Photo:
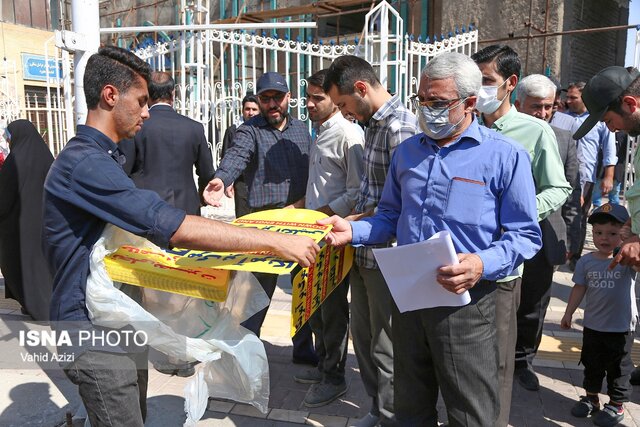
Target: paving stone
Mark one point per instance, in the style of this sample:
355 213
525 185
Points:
326 420
220 406
298 417
247 410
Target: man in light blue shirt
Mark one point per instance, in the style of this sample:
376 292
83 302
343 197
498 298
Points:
596 149
476 184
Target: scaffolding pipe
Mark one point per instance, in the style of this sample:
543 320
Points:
562 33
222 27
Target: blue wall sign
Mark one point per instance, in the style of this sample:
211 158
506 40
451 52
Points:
33 67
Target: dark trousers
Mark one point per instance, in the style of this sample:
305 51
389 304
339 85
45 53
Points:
330 325
113 387
507 301
371 331
584 215
451 349
607 354
534 300
241 198
302 342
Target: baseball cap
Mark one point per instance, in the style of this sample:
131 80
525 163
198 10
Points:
602 90
271 81
618 212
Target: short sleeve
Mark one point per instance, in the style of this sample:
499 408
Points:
580 274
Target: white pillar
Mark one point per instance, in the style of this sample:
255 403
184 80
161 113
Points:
85 20
384 44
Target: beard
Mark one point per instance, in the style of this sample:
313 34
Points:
633 125
274 121
363 109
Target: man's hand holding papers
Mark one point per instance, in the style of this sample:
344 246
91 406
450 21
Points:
461 277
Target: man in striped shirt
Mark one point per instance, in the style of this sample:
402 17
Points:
354 87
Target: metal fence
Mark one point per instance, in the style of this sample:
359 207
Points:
48 110
215 69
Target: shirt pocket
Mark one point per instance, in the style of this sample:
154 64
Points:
465 201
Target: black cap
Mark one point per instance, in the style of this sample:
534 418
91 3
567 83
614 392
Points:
603 88
618 212
271 81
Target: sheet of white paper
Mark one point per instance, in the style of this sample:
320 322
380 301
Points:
410 272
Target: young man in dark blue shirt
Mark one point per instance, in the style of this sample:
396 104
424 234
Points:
85 189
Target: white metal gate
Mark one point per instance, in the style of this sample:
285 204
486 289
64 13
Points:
50 113
215 69
229 62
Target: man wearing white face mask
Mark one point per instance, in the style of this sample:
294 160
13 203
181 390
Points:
500 67
475 183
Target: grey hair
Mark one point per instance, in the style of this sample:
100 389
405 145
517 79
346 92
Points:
461 68
535 86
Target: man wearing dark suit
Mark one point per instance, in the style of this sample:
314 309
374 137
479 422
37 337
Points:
167 148
535 96
161 159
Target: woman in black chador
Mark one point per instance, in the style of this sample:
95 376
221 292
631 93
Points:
26 273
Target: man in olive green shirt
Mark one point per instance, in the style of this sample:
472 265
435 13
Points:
500 68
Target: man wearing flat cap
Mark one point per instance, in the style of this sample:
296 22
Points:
272 150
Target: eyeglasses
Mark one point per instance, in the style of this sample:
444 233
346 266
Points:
277 98
436 104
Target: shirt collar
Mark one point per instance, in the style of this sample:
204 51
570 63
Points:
103 141
330 122
502 121
572 114
387 108
158 104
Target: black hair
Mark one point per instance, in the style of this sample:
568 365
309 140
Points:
318 79
250 98
345 71
161 86
507 61
111 66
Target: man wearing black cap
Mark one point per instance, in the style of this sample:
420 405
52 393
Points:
272 151
613 97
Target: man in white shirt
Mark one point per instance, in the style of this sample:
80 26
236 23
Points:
335 170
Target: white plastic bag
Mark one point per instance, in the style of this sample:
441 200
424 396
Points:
234 362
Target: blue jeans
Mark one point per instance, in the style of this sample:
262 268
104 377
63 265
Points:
614 194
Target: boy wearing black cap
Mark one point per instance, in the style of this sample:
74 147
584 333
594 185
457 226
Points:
610 317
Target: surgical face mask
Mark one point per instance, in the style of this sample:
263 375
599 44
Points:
488 101
434 122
